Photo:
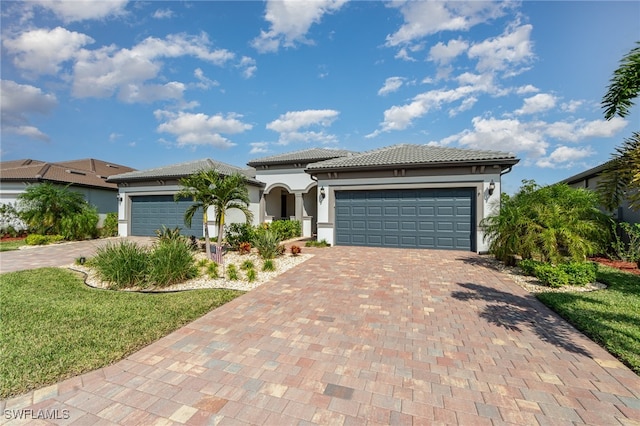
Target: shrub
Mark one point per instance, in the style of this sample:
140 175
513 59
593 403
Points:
171 261
123 264
268 265
244 248
281 250
202 263
251 275
321 243
212 270
238 233
267 243
10 222
166 234
110 225
571 273
43 206
286 229
39 240
295 250
580 273
551 275
80 226
246 265
232 272
529 266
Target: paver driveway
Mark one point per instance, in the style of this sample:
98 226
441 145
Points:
362 335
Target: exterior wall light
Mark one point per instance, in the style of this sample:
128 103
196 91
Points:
322 194
492 187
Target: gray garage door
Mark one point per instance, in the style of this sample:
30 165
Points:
420 218
150 212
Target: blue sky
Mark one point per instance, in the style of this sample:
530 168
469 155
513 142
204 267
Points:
147 84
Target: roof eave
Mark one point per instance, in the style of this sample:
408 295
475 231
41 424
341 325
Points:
503 162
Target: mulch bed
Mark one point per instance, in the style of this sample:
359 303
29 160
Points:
7 238
630 267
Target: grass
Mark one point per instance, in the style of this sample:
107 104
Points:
609 317
54 327
11 245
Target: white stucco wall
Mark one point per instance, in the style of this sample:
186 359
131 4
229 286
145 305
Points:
294 179
484 203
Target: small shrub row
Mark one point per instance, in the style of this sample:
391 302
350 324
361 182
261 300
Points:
321 243
238 234
110 225
126 264
571 273
40 240
286 229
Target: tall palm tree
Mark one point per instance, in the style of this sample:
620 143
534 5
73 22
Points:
622 173
208 188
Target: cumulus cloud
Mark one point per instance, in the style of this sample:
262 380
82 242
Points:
81 10
511 49
565 156
424 18
259 147
18 101
195 129
537 103
445 53
290 21
291 126
391 84
203 81
43 51
163 14
248 66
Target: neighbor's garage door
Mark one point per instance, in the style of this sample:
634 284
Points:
420 218
150 212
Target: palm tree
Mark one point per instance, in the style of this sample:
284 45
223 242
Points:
44 206
208 188
622 173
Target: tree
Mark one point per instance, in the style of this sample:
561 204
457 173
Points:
44 206
208 188
622 174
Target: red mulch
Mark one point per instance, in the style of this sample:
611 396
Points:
630 267
7 238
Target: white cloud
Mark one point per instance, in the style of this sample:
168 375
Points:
404 55
571 106
525 90
445 53
290 124
204 82
290 21
512 48
43 51
163 14
564 156
248 66
80 10
259 147
17 102
200 129
391 84
424 18
580 129
537 103
114 136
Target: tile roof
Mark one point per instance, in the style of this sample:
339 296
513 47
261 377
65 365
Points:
413 155
86 172
179 170
305 156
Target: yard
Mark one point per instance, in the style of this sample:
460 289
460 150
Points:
54 327
610 317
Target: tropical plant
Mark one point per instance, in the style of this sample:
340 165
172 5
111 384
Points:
238 233
168 234
622 173
252 275
110 225
247 264
42 207
268 265
232 272
171 261
295 250
208 188
10 222
548 223
123 264
80 226
267 242
286 229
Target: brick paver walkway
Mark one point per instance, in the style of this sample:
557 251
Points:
361 336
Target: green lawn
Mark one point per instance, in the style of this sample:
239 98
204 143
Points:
11 245
610 317
54 327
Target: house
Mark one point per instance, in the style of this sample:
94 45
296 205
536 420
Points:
589 180
399 196
87 176
146 202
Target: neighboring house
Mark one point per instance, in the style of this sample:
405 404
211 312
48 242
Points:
398 196
88 177
146 200
589 180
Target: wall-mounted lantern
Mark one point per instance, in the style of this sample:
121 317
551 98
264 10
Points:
322 194
492 187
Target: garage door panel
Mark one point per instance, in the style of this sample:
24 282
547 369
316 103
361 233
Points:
150 213
423 218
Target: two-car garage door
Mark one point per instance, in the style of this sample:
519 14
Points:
150 212
418 218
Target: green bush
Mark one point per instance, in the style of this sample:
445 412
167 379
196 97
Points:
80 226
268 265
39 240
251 275
237 233
571 273
286 229
212 270
232 272
123 264
110 225
170 262
529 266
267 242
551 275
168 234
246 265
321 243
580 273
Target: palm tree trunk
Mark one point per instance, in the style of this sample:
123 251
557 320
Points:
220 233
207 240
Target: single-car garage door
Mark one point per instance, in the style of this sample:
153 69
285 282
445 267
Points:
150 212
418 218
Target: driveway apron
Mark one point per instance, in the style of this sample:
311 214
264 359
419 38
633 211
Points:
361 336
